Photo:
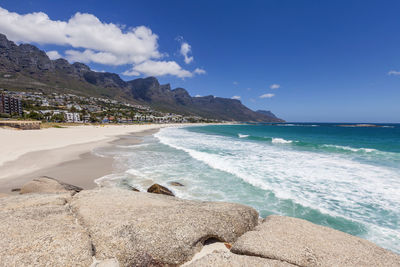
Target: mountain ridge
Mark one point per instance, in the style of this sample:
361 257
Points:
25 66
267 112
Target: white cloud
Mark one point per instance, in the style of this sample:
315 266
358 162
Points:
274 86
267 95
235 97
160 68
235 83
197 96
199 71
131 73
90 40
104 42
185 50
53 55
394 72
88 56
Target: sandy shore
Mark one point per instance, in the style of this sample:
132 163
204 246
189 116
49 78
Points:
62 153
16 143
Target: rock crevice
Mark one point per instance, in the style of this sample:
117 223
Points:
117 227
302 243
132 225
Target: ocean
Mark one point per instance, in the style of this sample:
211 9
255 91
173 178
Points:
336 175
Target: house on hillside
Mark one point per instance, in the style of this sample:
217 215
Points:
72 117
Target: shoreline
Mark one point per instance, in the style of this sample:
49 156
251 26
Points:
74 163
16 143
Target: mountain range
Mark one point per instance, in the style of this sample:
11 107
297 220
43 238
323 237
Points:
25 67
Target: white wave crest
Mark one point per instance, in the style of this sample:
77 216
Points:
243 135
134 172
281 141
132 146
367 150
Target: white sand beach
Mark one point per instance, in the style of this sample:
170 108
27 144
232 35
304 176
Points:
15 143
63 153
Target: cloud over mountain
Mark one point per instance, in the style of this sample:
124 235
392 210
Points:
90 40
159 68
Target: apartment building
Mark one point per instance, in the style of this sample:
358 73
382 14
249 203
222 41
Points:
72 117
10 105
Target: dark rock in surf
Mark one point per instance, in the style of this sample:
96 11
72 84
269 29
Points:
176 184
159 189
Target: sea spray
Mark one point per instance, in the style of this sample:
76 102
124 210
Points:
325 176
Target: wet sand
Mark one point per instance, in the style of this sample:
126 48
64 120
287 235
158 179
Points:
74 164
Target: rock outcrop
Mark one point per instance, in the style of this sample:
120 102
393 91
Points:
228 259
105 263
302 243
176 184
267 113
138 227
46 184
40 230
159 189
119 227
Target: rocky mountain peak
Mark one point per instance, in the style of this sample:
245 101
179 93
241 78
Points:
34 66
81 67
5 43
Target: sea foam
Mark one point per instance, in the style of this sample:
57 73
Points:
281 141
361 191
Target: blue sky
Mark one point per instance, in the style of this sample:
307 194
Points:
331 59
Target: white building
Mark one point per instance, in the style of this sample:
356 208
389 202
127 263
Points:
72 117
45 103
69 106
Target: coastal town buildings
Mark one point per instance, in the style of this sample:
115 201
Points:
72 117
59 107
10 105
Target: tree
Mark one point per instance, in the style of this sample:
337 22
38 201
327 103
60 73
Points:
93 118
58 117
35 116
4 115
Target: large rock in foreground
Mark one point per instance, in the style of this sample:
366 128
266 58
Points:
46 184
141 229
303 243
40 230
4 195
228 259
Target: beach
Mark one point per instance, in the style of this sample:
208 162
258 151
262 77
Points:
96 207
62 153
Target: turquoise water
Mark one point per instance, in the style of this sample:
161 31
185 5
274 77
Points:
347 178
